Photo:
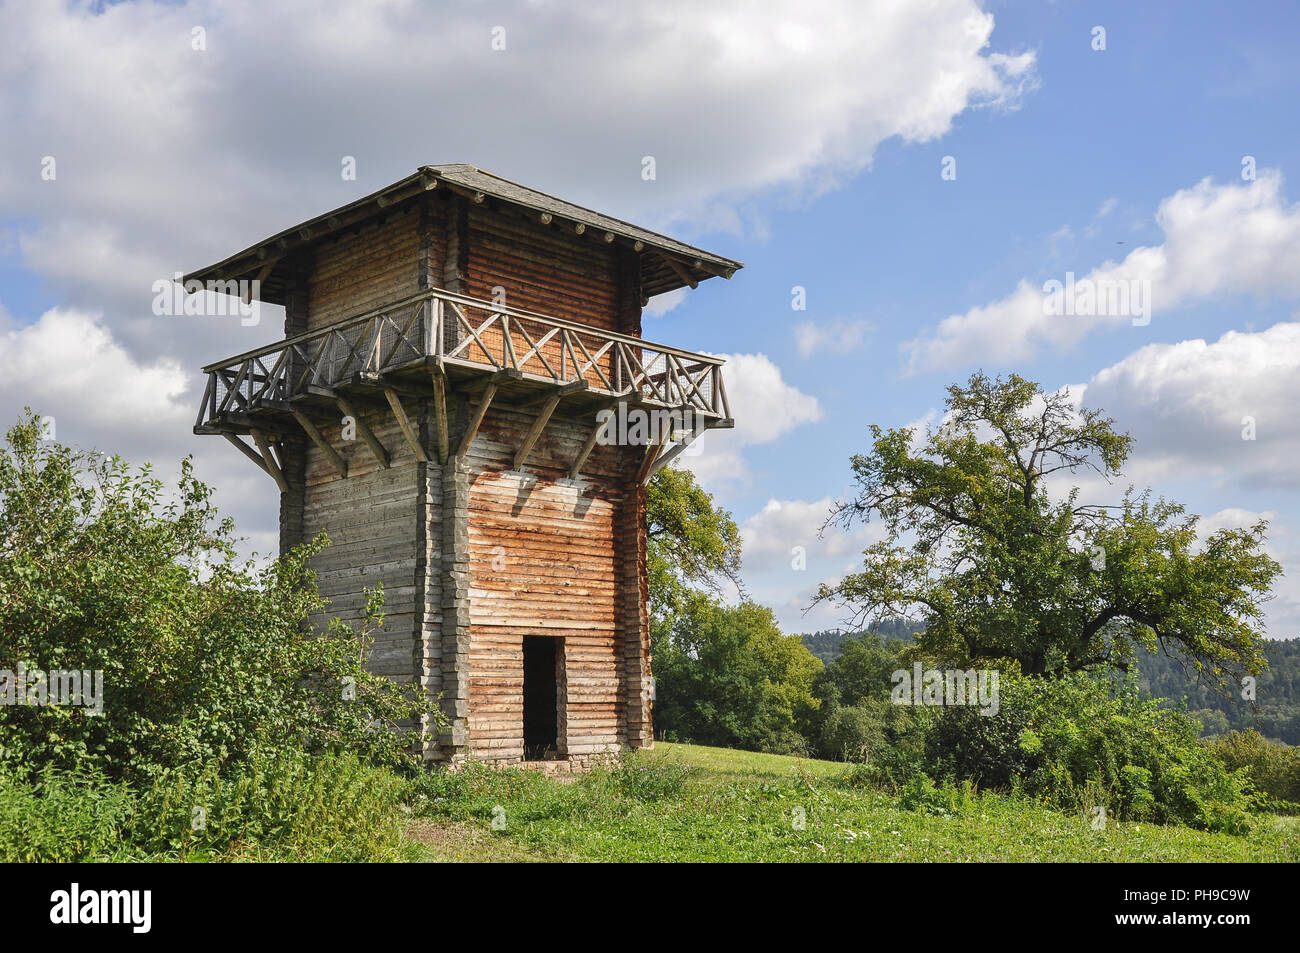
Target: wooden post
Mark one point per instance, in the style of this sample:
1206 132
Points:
440 411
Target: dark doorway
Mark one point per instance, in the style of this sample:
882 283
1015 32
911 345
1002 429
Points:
541 676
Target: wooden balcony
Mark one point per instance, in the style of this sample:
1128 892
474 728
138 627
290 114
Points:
421 345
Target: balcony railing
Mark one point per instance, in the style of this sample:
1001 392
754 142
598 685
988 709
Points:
447 331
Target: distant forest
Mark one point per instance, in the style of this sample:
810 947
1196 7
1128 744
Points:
1275 713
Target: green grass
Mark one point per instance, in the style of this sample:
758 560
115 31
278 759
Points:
688 803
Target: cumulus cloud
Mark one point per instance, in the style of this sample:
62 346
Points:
1190 405
68 364
772 408
1238 238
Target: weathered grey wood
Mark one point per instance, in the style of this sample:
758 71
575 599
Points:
404 422
535 431
440 413
246 450
271 466
319 439
366 433
476 418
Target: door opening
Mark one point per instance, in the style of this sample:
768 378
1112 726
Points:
541 678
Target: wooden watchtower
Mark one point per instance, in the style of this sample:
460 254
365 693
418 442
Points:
436 407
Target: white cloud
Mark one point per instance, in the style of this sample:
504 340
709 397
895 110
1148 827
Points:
660 305
838 336
1185 405
765 408
67 365
1218 240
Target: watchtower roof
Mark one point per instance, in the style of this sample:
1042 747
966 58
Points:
666 264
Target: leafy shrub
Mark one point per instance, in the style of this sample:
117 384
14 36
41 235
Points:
852 733
287 804
328 807
204 659
1273 767
56 817
922 795
1077 740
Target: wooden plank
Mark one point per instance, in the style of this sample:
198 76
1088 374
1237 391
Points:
476 418
535 431
319 439
404 422
440 411
272 467
367 435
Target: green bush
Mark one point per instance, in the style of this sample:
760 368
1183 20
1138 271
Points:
1078 741
922 795
56 817
325 807
204 659
285 806
853 733
1273 767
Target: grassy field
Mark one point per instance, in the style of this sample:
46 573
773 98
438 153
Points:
688 803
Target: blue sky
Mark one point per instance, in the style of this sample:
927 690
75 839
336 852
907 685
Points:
805 139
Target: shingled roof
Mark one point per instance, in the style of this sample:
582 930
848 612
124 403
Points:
666 263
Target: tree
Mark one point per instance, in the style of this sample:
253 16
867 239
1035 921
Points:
727 676
1000 570
691 544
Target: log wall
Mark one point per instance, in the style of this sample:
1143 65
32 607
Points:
473 555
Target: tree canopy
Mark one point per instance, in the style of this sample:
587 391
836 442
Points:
1000 565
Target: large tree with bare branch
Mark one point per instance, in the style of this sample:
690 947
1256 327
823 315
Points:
988 544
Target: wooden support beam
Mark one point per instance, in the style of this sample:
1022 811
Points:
408 431
370 439
319 439
476 418
271 466
576 467
262 275
535 431
651 454
682 273
440 411
246 450
672 453
563 390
